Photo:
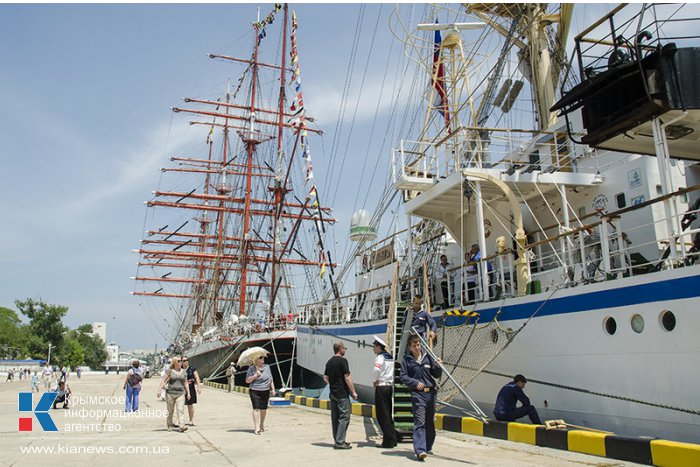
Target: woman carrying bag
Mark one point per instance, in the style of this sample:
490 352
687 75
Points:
176 391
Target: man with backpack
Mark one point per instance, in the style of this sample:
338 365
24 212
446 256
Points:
132 384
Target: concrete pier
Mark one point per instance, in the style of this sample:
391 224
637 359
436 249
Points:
95 431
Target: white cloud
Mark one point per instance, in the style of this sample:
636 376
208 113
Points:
135 167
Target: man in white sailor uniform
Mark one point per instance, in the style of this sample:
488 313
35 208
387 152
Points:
383 380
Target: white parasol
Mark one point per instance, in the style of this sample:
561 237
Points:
249 356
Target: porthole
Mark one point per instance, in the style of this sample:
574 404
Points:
637 323
668 320
610 325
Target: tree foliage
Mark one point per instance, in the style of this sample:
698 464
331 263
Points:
93 346
70 348
71 353
45 320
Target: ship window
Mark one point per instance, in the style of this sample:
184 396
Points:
637 323
668 320
684 196
610 325
621 201
659 190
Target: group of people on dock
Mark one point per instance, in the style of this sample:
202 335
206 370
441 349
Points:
52 379
179 387
420 373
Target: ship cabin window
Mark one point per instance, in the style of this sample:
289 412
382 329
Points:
610 325
684 196
659 190
668 320
637 323
621 200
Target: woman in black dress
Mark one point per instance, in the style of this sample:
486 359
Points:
194 386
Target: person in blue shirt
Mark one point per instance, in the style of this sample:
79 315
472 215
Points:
420 373
508 397
422 321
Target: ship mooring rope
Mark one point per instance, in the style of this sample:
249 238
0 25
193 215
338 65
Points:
601 394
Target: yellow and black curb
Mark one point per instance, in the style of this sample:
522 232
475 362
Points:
658 452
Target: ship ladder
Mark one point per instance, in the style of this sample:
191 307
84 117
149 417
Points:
402 408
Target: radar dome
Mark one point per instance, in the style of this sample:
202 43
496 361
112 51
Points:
361 229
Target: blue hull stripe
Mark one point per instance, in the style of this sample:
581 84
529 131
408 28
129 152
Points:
674 289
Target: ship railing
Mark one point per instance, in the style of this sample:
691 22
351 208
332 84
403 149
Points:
366 305
628 32
615 246
608 246
417 165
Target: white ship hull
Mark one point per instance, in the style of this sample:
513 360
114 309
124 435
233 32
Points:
566 344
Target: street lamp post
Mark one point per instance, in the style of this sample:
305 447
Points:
48 360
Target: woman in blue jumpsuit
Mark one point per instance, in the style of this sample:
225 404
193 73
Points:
420 373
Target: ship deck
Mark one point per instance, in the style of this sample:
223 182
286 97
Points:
223 435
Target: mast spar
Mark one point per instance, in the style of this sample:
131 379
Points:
241 241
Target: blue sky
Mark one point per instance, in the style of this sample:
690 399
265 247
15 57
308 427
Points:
85 126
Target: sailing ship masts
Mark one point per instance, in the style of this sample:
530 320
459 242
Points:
238 117
190 265
196 235
214 284
232 200
251 145
256 212
267 65
180 265
169 254
186 280
217 163
213 245
231 127
280 110
279 188
280 113
173 295
212 171
203 230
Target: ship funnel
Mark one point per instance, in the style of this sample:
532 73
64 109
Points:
361 228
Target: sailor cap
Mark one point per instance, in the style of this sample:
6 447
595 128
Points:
379 341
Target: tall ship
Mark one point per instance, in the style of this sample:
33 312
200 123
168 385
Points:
549 213
236 240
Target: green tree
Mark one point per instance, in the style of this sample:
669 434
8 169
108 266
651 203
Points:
9 332
32 345
44 320
93 346
71 352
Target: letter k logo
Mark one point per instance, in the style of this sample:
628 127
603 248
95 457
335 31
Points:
41 411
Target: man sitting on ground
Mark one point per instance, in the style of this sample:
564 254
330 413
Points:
508 397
